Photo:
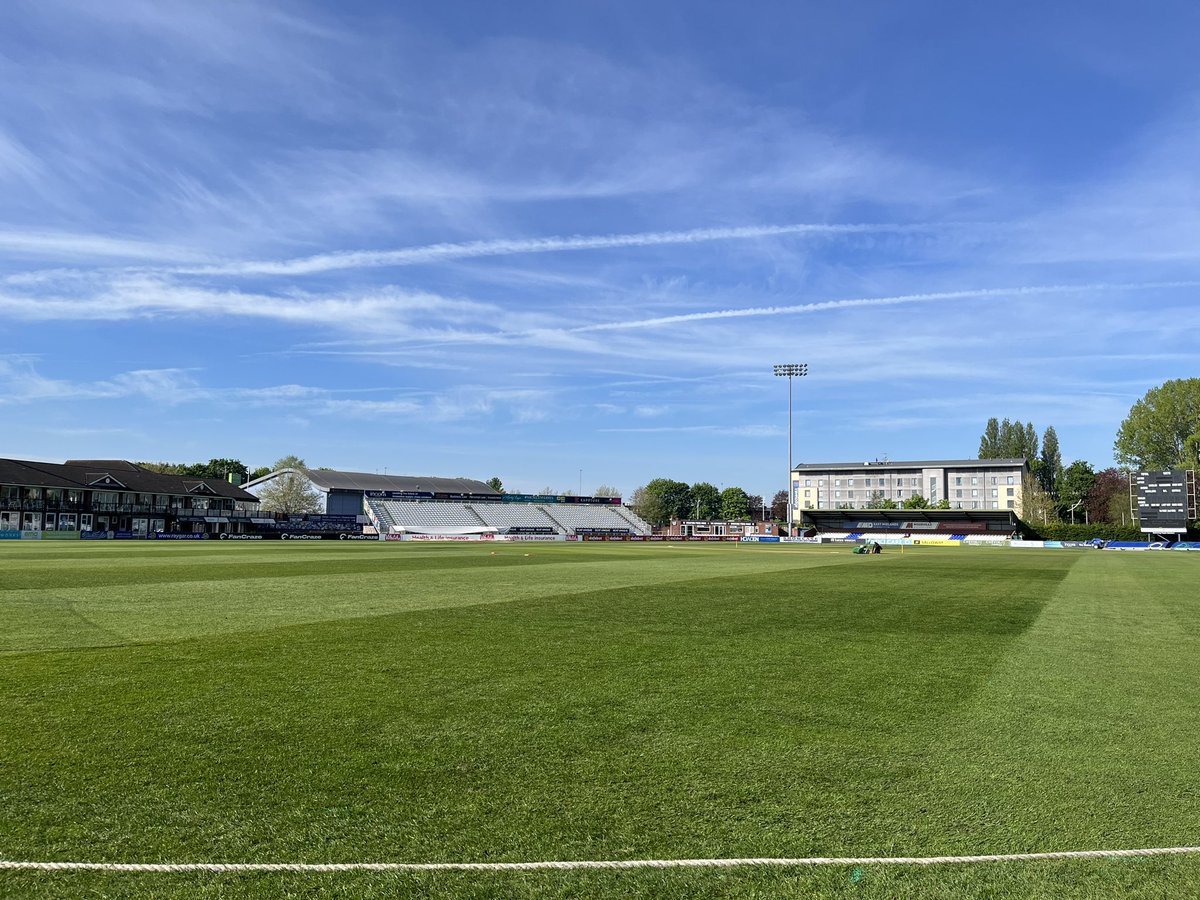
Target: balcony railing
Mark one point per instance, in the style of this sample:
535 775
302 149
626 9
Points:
131 508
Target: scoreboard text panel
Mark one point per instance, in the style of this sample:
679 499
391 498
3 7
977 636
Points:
1162 500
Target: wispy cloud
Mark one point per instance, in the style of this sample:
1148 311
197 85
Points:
434 253
827 305
755 431
21 384
16 162
63 245
393 311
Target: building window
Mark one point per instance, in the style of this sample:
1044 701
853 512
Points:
850 482
974 481
837 482
958 493
993 479
974 493
957 480
808 482
837 495
1012 504
867 482
850 495
995 504
1011 492
1010 480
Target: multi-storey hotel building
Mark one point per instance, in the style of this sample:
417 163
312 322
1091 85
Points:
980 484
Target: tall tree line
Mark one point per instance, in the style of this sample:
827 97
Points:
663 499
1057 493
1014 440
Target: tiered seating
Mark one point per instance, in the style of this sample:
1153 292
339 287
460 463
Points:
512 515
381 514
575 516
640 525
421 514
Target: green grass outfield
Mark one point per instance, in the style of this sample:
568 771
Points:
400 703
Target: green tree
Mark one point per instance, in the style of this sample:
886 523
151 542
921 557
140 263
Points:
779 506
289 462
735 505
1010 440
496 484
704 501
661 500
916 501
1162 427
1074 486
606 490
1029 447
1191 452
941 504
1050 469
162 468
213 469
878 500
218 468
989 443
255 474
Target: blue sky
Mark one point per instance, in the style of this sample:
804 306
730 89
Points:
564 243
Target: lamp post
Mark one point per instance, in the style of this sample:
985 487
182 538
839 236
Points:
790 371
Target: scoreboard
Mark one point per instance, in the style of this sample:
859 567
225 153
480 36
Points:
1166 501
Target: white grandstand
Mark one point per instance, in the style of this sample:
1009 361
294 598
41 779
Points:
421 513
575 518
433 505
477 517
513 515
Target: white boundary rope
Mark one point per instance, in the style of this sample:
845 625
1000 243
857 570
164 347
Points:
589 864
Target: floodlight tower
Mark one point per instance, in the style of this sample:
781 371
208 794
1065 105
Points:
790 371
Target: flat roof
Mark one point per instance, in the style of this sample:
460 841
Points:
333 479
912 464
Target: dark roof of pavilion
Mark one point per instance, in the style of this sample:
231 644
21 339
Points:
112 474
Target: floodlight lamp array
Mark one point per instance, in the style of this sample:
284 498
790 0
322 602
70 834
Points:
787 370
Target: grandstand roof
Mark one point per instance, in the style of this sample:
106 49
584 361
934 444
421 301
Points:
332 479
831 518
913 464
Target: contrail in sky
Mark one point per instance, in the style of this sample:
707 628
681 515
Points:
977 293
432 253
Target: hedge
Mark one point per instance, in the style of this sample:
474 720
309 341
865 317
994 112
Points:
1103 530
